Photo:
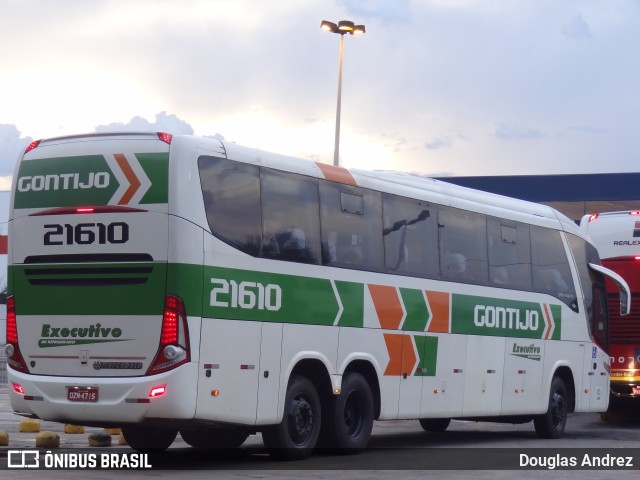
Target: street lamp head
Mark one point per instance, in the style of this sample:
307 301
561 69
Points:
343 27
329 26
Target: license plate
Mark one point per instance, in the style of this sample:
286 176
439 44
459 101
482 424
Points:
82 394
635 390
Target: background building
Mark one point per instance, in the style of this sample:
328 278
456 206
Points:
574 195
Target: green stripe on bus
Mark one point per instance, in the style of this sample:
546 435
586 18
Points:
156 166
416 308
352 298
428 355
273 297
109 292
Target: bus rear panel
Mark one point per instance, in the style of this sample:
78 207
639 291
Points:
89 312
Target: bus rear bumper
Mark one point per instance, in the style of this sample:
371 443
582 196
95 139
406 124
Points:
106 401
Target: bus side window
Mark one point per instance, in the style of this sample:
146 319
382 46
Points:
290 219
463 246
509 254
231 190
550 266
410 236
351 220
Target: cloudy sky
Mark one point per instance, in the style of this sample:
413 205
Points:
453 87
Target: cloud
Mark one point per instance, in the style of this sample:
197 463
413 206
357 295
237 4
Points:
11 146
516 132
163 123
437 143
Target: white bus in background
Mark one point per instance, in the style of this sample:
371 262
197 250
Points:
171 284
617 238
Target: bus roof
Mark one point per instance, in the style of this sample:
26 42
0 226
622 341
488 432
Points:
419 187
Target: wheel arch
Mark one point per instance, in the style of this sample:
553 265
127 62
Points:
368 371
566 375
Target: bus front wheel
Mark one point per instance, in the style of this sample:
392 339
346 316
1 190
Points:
296 436
552 423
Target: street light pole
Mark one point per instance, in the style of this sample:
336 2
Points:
336 148
343 27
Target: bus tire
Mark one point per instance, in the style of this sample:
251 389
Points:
551 424
297 435
222 437
144 438
350 421
437 425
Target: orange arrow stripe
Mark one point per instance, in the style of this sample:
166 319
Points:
387 305
134 183
439 306
394 347
402 354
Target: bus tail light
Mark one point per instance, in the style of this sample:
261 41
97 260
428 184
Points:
33 145
12 349
165 137
157 391
174 337
18 388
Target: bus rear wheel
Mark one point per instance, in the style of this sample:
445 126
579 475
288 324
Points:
143 438
223 437
348 427
552 423
296 436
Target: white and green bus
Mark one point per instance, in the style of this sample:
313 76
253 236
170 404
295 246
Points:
171 284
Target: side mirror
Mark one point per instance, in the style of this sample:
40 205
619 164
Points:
625 293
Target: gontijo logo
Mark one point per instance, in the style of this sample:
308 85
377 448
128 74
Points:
110 179
476 315
501 317
65 181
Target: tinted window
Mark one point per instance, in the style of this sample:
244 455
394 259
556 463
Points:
410 236
231 193
290 217
463 245
550 267
351 221
509 254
